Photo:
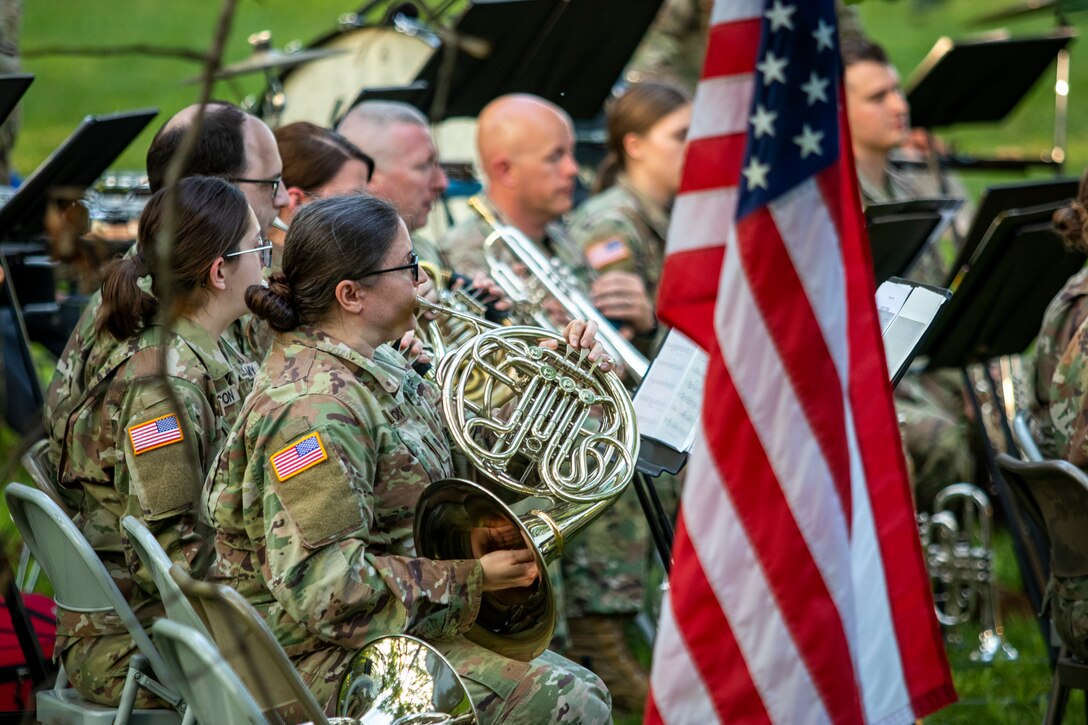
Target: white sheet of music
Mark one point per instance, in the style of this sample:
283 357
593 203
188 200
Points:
905 312
670 399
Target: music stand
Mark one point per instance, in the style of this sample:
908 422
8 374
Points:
77 162
12 88
955 82
900 231
997 309
1003 197
569 52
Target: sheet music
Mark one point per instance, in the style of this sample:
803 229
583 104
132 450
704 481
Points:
905 311
670 399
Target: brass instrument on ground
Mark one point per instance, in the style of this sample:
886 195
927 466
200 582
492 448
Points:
544 278
403 680
957 546
557 454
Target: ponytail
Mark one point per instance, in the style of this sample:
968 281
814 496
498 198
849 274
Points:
126 307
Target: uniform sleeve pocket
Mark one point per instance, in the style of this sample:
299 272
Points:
163 466
313 486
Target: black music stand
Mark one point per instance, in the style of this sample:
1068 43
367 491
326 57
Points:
1003 197
955 82
905 329
900 231
76 163
12 88
568 51
996 310
655 458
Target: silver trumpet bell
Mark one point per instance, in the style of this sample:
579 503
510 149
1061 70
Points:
554 457
401 680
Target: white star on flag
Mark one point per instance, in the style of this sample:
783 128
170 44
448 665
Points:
779 15
824 35
763 121
815 88
809 141
756 173
773 69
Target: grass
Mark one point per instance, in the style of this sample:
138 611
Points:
68 88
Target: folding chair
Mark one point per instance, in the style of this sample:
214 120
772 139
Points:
36 462
216 693
1058 491
158 563
251 650
81 583
1025 441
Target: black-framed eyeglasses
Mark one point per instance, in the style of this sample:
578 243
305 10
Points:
265 249
275 183
413 265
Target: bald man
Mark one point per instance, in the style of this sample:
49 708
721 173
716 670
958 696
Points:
406 169
526 149
233 145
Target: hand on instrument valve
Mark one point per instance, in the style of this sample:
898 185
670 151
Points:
582 335
412 348
622 296
485 290
504 567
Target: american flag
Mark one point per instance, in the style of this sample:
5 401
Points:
297 457
155 434
798 591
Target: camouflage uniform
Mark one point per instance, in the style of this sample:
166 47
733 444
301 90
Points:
463 246
323 548
930 407
11 13
103 459
1068 394
428 251
74 372
1061 322
1069 611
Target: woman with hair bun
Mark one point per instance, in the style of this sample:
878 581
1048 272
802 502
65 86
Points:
622 229
1058 392
313 496
140 442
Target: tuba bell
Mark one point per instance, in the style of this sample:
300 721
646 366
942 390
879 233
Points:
558 452
403 680
547 278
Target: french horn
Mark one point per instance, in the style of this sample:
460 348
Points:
553 457
545 278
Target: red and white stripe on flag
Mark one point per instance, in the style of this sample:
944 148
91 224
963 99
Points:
155 433
798 590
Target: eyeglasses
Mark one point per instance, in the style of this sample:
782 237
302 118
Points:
413 265
265 249
275 183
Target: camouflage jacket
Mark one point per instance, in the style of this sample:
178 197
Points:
674 46
314 493
622 230
463 246
128 449
1063 317
75 369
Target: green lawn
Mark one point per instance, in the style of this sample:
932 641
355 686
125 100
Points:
67 88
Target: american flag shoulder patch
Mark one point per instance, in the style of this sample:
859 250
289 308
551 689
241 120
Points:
606 252
155 433
304 453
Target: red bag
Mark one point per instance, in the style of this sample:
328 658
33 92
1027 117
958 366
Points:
16 694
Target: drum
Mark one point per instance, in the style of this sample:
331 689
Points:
321 91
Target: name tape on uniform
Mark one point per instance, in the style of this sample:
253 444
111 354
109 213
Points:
156 433
304 453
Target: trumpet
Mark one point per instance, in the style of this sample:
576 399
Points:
548 277
556 455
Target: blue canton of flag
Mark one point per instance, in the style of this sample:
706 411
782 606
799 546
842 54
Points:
793 130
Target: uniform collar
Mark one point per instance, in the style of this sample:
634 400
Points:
655 215
387 367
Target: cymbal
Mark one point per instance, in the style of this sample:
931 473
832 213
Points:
263 60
